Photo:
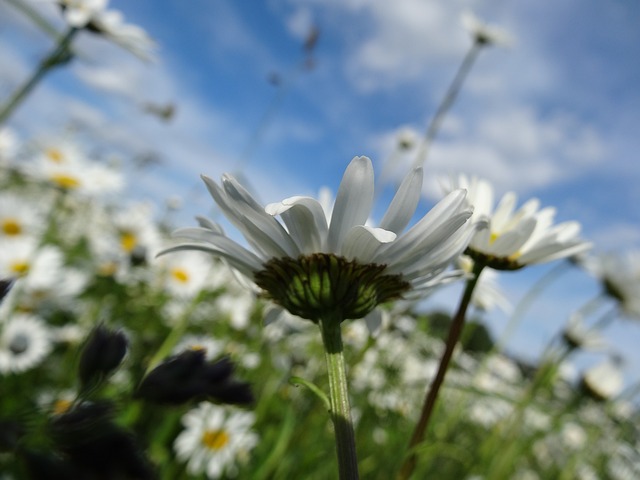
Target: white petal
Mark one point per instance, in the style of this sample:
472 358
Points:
512 240
503 212
362 242
404 203
353 201
243 263
445 208
306 221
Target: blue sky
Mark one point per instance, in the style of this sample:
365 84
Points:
553 116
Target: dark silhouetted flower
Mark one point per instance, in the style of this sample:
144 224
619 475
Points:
188 376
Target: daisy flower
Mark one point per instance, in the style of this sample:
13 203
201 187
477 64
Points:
484 34
20 216
603 381
514 238
313 267
78 13
215 439
24 343
213 348
620 277
577 335
63 164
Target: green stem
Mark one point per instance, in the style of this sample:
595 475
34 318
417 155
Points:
60 55
455 330
339 398
447 101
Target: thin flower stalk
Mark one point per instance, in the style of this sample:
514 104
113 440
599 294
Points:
455 330
60 55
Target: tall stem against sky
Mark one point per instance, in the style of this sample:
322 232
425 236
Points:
455 330
58 56
447 101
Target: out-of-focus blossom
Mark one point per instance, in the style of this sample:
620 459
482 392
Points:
514 238
603 381
25 341
187 273
78 13
64 164
484 34
620 278
130 37
577 335
21 216
215 440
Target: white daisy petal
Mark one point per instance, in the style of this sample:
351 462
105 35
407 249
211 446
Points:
353 201
361 242
305 220
404 203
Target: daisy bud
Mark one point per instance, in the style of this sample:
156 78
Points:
188 376
102 353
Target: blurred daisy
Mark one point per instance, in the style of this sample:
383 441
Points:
238 305
78 13
38 268
65 165
215 440
514 239
131 37
603 381
484 34
313 267
20 216
186 274
620 277
93 16
24 343
577 335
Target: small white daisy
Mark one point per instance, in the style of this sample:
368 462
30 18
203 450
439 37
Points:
514 238
577 335
620 277
64 164
20 216
484 34
24 343
603 381
486 294
78 13
215 439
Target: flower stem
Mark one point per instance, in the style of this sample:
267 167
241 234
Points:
58 56
432 395
447 101
339 398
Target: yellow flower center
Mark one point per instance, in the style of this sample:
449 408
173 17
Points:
180 275
128 241
215 439
108 269
61 406
494 236
11 226
65 181
197 348
54 155
19 268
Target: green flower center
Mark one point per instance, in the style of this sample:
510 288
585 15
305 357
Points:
323 285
